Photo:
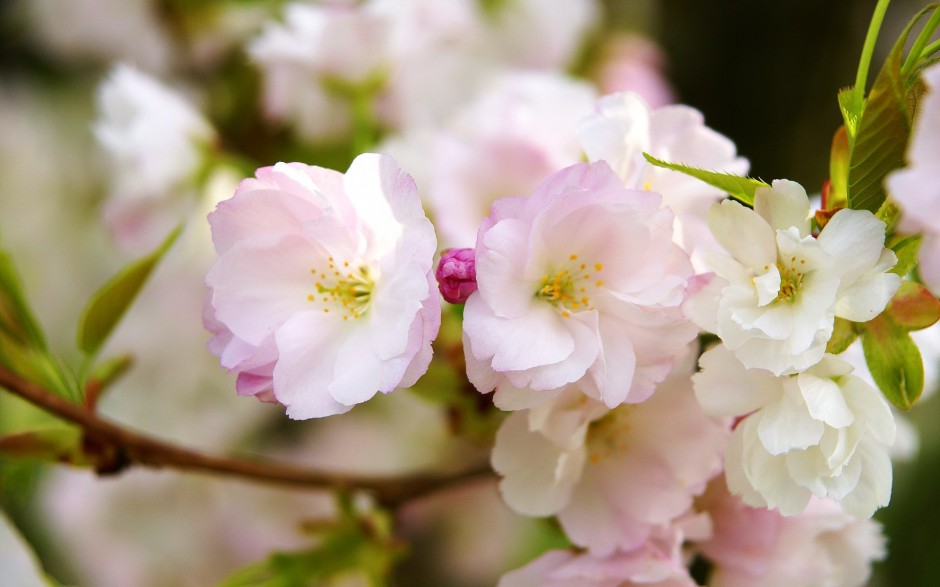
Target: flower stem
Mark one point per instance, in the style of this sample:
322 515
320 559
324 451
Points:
930 50
920 44
861 77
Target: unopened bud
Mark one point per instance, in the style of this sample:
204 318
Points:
457 275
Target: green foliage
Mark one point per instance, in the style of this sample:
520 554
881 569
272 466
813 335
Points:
851 106
881 140
28 432
16 319
906 248
736 186
893 358
22 343
108 305
882 122
844 334
913 307
26 565
894 361
359 547
60 443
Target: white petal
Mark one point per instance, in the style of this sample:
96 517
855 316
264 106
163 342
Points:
785 425
537 338
824 400
617 133
725 388
868 297
537 476
855 240
305 366
767 286
744 234
783 205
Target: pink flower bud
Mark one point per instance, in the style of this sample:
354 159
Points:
457 275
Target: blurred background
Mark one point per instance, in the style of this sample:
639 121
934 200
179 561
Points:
764 74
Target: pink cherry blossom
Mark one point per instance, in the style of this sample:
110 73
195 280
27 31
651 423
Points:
324 291
646 566
612 477
520 130
633 63
756 547
580 282
622 127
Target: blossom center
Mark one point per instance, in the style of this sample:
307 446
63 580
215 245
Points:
346 294
792 272
568 288
609 435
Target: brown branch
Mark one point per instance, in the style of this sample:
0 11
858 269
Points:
129 447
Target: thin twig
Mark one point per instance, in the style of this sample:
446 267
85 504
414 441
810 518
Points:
135 448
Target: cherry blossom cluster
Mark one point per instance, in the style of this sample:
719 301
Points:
582 304
660 355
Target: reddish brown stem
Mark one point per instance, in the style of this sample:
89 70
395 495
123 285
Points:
131 447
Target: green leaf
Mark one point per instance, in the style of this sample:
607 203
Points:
882 138
21 565
883 129
894 361
108 305
736 186
890 214
843 335
913 307
37 365
348 550
906 249
16 318
851 107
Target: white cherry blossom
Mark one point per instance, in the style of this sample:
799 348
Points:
824 432
156 141
778 291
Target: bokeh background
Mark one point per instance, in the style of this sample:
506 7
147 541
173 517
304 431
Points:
763 73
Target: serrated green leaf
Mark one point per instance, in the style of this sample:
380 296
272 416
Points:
736 186
108 305
851 107
906 249
883 129
16 317
881 140
844 334
894 361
